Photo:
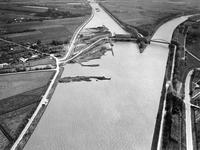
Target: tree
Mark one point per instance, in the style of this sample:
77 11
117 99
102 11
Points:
39 42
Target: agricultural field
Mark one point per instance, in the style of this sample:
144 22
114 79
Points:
20 96
147 16
193 39
2 44
48 20
19 83
46 31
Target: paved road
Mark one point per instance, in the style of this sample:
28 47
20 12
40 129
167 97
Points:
189 141
74 37
168 84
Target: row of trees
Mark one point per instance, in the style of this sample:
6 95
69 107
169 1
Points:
57 14
59 42
17 31
173 106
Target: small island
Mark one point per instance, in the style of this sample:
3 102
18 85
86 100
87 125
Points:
82 78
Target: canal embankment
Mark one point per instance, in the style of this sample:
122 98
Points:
124 26
41 111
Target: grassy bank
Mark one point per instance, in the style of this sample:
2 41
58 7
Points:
162 99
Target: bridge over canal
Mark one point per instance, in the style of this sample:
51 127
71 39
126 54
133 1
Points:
128 38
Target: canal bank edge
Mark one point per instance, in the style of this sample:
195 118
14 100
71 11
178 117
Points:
157 131
119 22
39 115
78 30
158 120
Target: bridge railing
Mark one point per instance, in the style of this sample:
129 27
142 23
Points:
160 41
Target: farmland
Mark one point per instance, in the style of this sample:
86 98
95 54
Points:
48 30
44 18
147 16
20 95
18 83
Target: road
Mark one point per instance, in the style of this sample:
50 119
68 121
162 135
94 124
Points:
168 84
74 37
189 141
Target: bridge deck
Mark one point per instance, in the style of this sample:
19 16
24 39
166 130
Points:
158 41
125 38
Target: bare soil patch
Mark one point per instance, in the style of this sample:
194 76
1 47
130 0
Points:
13 122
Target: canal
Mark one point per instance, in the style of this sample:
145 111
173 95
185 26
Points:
116 114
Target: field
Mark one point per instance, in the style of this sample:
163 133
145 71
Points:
18 83
193 42
3 141
2 43
46 30
20 95
12 120
148 15
6 14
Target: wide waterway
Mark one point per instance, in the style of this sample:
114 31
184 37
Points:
116 114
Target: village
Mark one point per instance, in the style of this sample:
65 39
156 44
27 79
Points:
18 58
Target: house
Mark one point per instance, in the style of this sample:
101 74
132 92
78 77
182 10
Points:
3 65
23 59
